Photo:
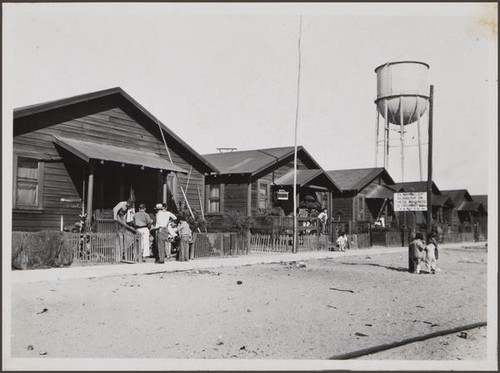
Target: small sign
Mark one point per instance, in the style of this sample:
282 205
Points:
282 195
411 201
71 202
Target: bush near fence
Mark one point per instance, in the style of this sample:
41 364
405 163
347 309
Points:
43 249
208 245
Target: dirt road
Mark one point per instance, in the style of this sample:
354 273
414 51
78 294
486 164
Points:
272 311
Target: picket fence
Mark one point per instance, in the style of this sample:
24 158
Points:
284 243
103 248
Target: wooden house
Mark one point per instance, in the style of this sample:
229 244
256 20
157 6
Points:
352 202
466 214
84 154
418 219
483 215
252 182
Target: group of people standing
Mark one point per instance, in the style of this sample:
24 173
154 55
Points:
166 227
423 254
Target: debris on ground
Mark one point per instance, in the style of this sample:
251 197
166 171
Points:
29 347
331 306
249 310
43 352
349 291
220 343
293 264
239 282
203 272
360 334
43 311
420 307
242 348
463 335
368 325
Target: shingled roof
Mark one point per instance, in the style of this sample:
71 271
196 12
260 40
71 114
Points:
458 196
254 161
418 186
112 93
383 192
441 200
307 177
356 179
471 206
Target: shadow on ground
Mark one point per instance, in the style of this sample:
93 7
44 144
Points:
399 269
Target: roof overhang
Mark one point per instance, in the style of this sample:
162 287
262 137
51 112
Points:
317 179
103 152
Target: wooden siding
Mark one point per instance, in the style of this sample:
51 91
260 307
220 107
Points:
113 126
235 197
342 205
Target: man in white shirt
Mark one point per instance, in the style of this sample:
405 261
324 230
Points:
124 212
163 217
323 218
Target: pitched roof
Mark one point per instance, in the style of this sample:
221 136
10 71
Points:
458 195
252 161
318 177
356 179
418 186
441 200
117 92
471 206
383 192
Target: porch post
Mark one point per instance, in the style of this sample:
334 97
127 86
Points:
249 197
90 192
174 190
164 186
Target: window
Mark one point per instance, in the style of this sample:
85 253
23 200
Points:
263 197
214 198
27 190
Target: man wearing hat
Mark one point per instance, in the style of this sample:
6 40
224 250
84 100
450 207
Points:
163 217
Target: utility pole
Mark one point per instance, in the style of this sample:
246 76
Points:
429 163
294 247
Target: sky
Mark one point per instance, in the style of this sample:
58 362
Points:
225 75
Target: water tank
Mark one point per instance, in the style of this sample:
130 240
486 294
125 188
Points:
403 82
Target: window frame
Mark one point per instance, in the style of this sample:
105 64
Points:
266 187
219 199
40 184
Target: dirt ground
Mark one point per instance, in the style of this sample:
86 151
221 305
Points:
268 311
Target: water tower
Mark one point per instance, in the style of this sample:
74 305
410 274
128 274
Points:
402 99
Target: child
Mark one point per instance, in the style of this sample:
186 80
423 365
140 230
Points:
431 254
186 237
342 242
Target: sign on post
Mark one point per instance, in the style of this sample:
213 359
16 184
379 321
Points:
410 201
282 195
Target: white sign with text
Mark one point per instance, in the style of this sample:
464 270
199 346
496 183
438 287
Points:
411 201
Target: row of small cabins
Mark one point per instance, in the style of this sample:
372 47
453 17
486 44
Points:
88 152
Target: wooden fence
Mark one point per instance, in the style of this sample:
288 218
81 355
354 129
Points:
104 248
